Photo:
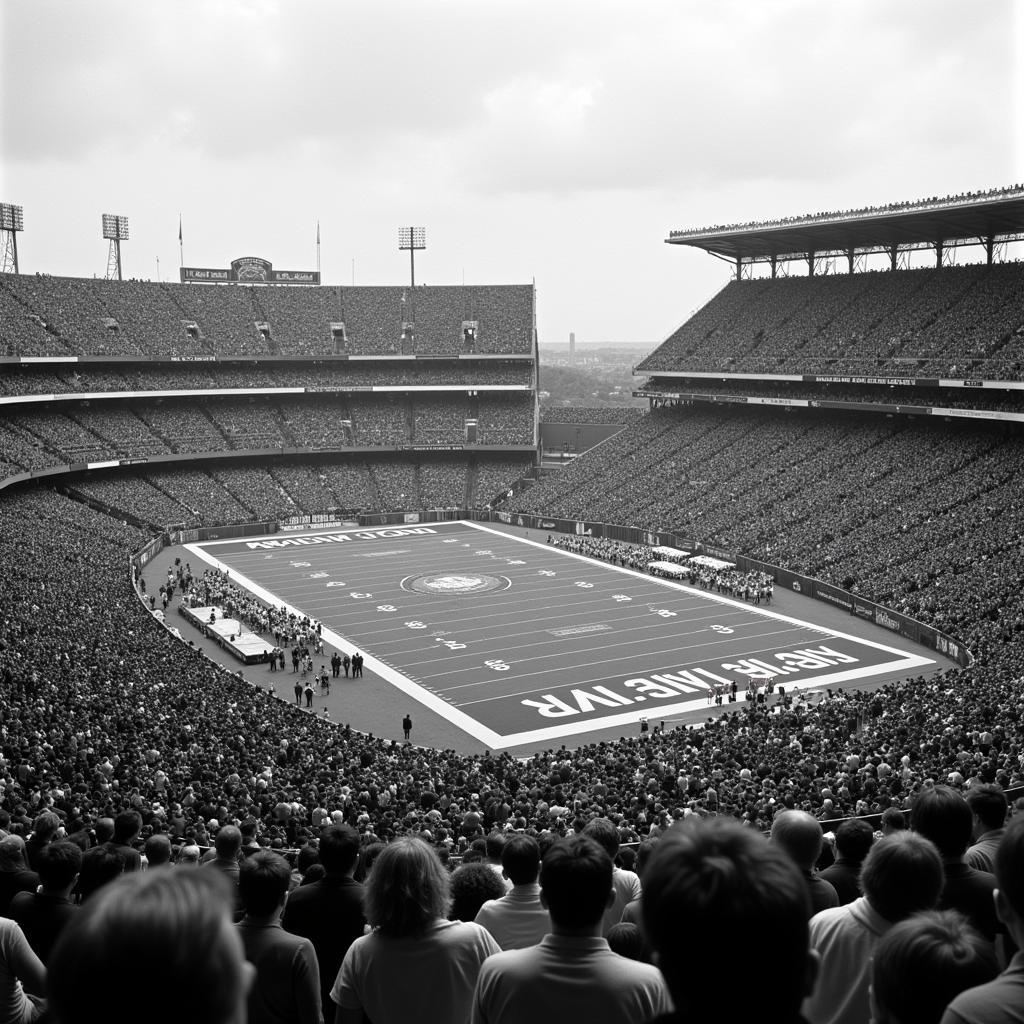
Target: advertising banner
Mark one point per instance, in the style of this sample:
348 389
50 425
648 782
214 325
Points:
248 270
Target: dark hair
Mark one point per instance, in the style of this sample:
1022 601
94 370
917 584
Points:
157 850
605 834
520 859
902 875
58 863
920 965
626 939
1010 865
367 858
45 826
228 842
339 848
941 814
408 889
472 886
988 802
724 880
894 818
263 880
100 866
854 838
127 825
494 844
307 856
575 881
165 934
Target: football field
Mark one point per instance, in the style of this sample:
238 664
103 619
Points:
518 642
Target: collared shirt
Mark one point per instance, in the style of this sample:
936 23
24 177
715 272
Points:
516 920
568 978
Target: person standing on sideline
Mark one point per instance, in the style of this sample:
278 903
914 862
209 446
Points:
407 725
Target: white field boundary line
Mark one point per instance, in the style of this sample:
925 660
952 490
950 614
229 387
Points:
458 718
497 741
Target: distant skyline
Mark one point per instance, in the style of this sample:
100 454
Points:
536 141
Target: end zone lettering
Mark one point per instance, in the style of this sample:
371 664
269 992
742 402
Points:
334 538
669 685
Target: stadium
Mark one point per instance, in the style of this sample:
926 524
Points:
292 562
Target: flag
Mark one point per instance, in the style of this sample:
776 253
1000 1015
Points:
179 229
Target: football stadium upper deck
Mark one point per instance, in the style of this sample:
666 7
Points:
42 316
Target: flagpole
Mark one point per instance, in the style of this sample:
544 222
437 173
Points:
181 245
318 248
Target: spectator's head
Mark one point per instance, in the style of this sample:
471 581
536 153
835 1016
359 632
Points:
407 890
367 858
627 940
520 860
104 830
339 849
58 865
941 814
228 842
893 820
988 805
157 850
12 853
189 855
799 835
576 884
493 845
853 839
127 825
1010 876
145 937
45 827
263 883
902 874
472 885
605 834
100 866
307 856
725 880
921 964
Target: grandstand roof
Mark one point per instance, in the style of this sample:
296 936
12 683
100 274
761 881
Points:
973 217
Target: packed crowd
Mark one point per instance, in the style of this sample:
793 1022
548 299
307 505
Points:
951 322
35 379
33 438
288 487
863 211
58 316
989 400
578 414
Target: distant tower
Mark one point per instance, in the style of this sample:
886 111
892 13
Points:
115 228
12 220
572 348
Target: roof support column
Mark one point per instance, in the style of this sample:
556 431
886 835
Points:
938 253
739 268
849 259
990 244
775 264
810 264
893 255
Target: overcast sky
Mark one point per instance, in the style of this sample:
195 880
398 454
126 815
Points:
555 140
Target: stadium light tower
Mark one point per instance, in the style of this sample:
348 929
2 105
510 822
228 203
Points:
412 239
12 220
115 228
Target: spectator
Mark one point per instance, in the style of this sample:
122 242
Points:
625 884
572 972
127 826
728 884
437 960
921 964
100 866
20 970
44 831
473 885
853 841
15 876
1000 1001
799 834
329 912
902 875
43 915
517 919
157 851
162 940
287 979
942 815
988 805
